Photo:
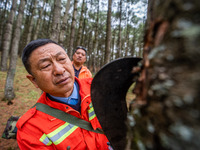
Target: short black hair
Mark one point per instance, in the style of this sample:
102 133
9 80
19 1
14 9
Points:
30 47
81 47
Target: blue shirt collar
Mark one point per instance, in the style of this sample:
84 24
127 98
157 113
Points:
74 95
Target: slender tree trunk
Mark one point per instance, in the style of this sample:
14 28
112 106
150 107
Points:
113 45
25 31
72 29
23 38
89 60
127 33
140 45
7 37
56 21
64 23
83 35
2 21
31 22
95 44
80 24
39 20
108 33
9 89
133 43
119 32
167 116
67 39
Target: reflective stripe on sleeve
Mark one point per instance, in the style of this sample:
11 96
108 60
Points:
58 135
91 112
44 139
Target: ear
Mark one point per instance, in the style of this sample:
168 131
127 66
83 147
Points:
32 79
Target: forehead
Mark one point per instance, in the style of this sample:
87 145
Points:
47 50
80 51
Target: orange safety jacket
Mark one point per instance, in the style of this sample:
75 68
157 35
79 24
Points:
84 73
38 130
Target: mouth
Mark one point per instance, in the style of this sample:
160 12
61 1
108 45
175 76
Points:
62 81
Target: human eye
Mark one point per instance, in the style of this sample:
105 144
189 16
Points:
45 66
61 59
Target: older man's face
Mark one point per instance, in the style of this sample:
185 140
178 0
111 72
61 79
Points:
52 70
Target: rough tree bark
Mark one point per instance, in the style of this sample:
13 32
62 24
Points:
80 24
9 87
71 43
39 20
55 30
3 14
31 21
167 107
7 37
64 24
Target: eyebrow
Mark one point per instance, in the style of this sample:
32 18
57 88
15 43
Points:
80 52
60 53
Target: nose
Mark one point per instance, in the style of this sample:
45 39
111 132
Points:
80 55
58 69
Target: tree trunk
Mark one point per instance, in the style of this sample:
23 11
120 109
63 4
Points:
55 30
127 38
95 44
7 37
46 24
150 12
119 32
89 53
64 23
84 29
24 36
80 24
9 89
108 33
133 43
113 44
2 21
72 30
39 20
31 21
169 84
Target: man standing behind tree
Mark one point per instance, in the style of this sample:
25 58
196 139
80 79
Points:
79 58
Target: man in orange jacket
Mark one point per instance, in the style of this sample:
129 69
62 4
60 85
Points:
51 70
79 58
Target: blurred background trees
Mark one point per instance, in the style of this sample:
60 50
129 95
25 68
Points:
108 29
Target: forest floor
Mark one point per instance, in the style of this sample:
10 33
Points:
26 97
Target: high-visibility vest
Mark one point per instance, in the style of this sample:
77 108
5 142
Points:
62 132
84 73
37 130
